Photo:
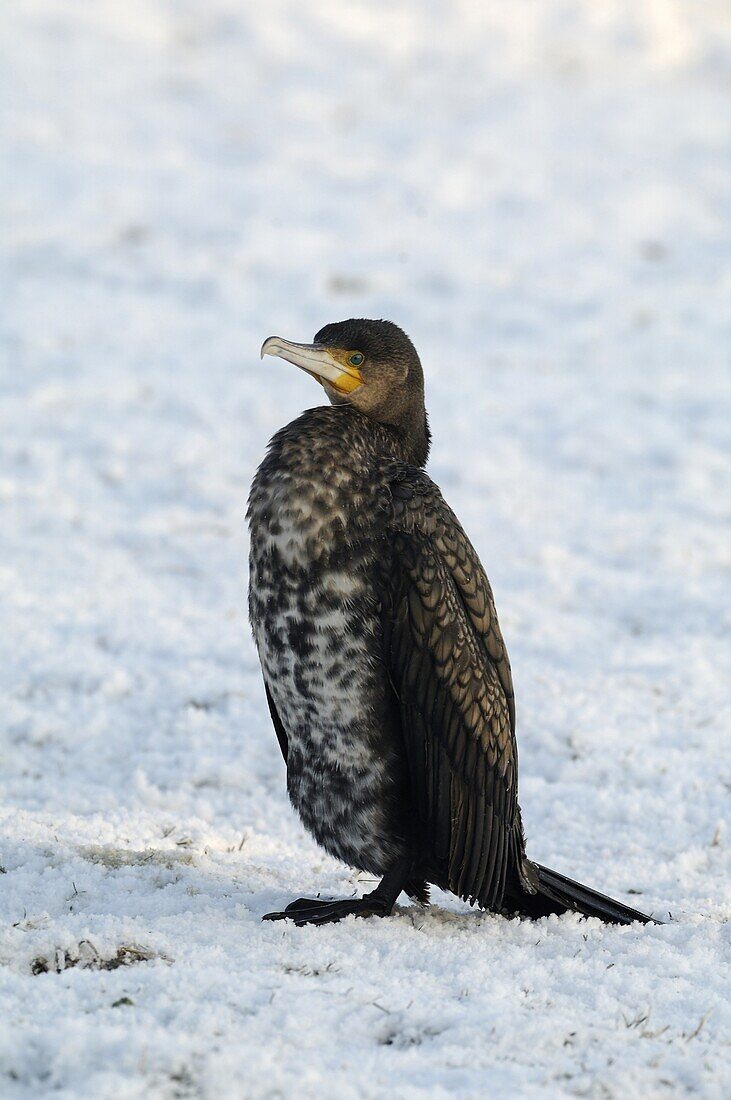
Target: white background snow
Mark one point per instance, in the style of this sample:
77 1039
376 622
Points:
540 194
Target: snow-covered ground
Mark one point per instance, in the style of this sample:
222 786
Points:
540 193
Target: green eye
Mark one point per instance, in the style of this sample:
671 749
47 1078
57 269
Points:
356 359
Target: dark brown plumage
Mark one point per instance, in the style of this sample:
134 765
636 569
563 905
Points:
386 673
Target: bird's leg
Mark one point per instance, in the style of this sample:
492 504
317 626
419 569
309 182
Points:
378 903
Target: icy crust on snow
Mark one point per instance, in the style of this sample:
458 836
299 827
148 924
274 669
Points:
541 195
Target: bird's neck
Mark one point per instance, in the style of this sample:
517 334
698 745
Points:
413 436
406 428
402 433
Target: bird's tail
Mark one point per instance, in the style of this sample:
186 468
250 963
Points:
558 894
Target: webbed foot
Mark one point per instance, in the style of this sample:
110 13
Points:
378 903
315 911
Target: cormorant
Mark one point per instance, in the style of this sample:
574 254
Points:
385 670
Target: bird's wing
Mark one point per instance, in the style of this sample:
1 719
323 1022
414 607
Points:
277 723
451 674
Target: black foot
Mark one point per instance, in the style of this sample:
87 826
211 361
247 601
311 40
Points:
312 911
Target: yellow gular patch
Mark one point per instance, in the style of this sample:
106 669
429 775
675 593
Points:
351 378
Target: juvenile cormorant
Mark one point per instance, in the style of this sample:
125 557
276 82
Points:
386 674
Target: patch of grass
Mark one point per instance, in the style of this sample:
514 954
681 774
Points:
184 1085
124 857
403 1038
87 957
310 971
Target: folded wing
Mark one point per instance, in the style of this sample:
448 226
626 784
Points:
451 674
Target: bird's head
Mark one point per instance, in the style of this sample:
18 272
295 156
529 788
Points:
371 365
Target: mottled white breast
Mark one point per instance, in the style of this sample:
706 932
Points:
315 617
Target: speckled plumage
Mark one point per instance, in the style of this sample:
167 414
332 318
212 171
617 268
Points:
315 611
386 673
341 531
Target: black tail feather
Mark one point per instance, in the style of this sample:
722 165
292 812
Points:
558 894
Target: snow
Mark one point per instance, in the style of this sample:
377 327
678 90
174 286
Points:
541 195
